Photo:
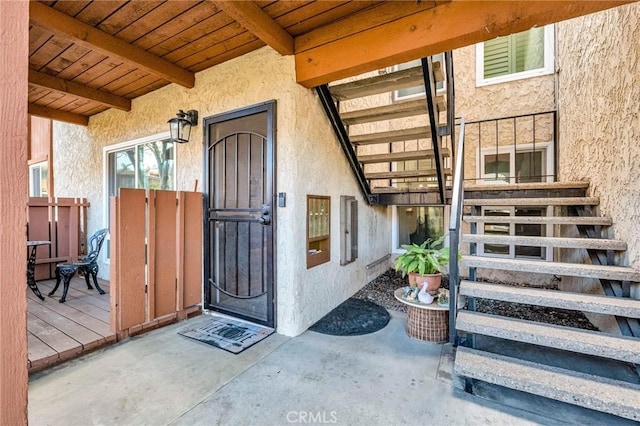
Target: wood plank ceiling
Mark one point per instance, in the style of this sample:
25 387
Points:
88 56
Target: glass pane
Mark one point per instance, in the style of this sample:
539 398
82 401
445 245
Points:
496 229
530 230
496 167
529 49
529 167
416 224
121 171
44 180
155 165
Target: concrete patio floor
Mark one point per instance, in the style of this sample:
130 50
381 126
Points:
159 378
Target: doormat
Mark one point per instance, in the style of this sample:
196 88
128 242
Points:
353 317
229 334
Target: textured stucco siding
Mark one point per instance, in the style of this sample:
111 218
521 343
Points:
524 96
600 119
309 161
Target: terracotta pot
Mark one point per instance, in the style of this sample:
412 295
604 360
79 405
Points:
433 280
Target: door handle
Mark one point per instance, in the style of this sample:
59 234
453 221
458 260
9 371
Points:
265 217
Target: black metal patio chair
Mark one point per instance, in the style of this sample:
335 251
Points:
88 265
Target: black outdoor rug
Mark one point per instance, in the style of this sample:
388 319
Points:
227 333
353 318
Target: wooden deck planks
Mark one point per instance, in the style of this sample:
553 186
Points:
60 331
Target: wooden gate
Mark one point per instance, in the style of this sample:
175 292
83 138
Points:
165 227
63 221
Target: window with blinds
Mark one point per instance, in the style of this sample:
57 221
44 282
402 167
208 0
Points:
515 56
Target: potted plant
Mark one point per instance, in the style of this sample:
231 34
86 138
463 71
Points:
424 263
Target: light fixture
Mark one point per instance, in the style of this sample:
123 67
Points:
180 126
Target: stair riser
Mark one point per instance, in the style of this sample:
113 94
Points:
586 243
566 269
629 308
552 201
608 396
552 220
599 345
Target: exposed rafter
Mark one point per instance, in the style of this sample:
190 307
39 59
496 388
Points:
95 39
444 27
47 81
255 20
56 114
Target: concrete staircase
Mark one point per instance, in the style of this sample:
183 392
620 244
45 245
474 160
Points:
594 391
392 138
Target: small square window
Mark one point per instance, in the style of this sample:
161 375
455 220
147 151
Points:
318 230
516 56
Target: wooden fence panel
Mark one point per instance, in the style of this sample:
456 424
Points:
164 262
172 223
62 221
130 271
192 277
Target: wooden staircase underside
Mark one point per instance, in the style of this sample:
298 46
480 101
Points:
392 139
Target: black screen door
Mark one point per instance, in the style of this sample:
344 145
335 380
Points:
239 213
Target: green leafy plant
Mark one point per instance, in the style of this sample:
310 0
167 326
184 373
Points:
423 259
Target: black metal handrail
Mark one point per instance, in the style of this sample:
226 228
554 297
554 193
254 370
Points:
514 135
454 234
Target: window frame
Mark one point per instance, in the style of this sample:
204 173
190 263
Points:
348 229
548 68
395 97
322 241
38 166
548 250
395 222
106 151
545 147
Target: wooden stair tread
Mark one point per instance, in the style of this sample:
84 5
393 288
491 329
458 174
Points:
423 132
620 273
400 156
626 349
556 220
586 243
403 79
405 174
527 186
620 306
594 392
387 112
553 201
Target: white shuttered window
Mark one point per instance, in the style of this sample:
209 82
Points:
520 55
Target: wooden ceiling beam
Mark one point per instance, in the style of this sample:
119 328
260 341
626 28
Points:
58 115
92 38
444 27
60 85
256 21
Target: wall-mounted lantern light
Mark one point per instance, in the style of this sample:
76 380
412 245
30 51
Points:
180 126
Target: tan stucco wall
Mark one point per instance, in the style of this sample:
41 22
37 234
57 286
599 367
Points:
600 119
309 161
524 96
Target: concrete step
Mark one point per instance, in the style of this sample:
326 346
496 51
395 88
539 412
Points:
554 220
400 156
388 82
527 186
619 306
423 132
388 112
619 273
553 201
586 390
585 243
405 174
626 349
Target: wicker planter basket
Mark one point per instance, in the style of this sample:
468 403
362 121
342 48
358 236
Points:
428 324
